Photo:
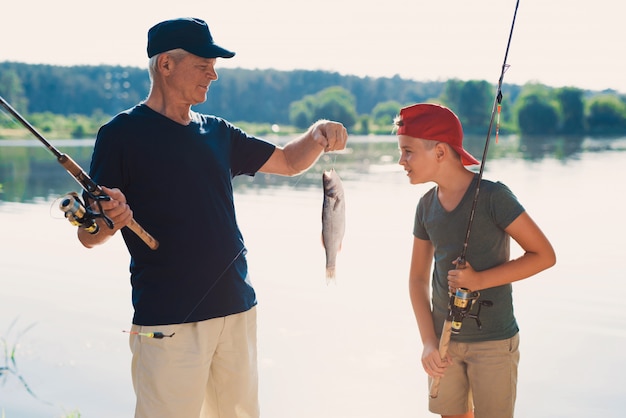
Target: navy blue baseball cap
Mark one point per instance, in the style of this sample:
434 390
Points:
188 33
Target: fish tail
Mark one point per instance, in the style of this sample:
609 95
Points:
330 274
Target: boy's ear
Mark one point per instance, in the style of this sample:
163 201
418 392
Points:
440 150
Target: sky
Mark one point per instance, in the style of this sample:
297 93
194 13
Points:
577 43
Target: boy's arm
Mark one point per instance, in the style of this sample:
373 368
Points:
538 256
419 291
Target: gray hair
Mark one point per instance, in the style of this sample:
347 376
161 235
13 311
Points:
176 54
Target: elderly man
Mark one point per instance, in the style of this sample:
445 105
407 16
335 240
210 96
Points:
193 292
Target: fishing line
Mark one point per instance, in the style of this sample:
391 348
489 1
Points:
215 282
497 106
334 159
301 176
161 335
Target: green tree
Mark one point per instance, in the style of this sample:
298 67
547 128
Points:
12 90
336 103
472 101
572 110
384 113
363 125
537 113
301 112
607 115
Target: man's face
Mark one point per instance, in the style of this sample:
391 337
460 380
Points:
191 76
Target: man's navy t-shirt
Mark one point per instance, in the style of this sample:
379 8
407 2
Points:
177 179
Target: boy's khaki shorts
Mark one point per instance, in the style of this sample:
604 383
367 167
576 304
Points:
483 376
207 369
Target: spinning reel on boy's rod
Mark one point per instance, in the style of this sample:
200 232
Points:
79 214
460 306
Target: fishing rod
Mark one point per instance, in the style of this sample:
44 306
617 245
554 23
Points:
497 107
462 300
74 209
78 215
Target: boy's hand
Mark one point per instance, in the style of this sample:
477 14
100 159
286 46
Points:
464 277
433 365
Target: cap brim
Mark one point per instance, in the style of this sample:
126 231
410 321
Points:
212 51
468 159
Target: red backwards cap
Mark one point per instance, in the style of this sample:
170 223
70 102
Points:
434 123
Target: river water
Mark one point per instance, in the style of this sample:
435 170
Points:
345 350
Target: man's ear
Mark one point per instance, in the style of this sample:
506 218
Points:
164 62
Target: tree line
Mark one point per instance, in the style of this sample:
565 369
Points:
89 95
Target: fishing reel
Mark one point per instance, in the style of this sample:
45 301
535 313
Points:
79 215
461 303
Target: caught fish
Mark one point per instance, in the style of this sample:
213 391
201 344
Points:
333 219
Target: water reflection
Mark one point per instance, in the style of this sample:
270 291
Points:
537 147
79 297
29 172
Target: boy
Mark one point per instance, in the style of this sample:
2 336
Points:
479 373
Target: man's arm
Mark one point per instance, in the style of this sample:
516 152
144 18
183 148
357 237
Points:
301 153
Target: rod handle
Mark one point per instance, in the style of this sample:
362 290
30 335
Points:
150 241
444 343
88 184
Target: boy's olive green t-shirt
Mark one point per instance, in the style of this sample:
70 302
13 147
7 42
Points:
488 246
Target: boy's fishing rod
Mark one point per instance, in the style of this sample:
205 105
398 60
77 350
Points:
72 207
462 300
497 106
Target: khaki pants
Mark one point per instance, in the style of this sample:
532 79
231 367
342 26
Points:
207 369
483 377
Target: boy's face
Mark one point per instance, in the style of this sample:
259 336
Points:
417 156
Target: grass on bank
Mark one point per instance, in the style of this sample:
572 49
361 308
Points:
53 126
9 346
